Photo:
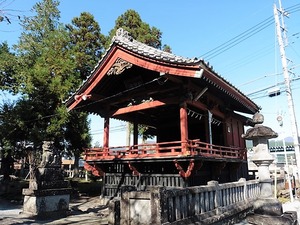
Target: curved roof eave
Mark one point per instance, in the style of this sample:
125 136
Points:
124 41
222 84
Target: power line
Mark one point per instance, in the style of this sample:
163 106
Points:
245 35
264 95
292 9
255 56
111 130
259 78
271 86
238 39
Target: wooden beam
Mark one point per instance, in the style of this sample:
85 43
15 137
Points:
144 119
96 97
140 94
173 78
143 106
203 107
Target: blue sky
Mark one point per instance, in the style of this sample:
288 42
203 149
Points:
193 28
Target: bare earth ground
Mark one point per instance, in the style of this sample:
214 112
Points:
85 210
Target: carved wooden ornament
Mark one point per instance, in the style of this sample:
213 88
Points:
118 67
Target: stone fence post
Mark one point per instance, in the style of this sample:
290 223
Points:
143 207
217 196
245 192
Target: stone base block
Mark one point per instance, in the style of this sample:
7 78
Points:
270 207
284 219
104 200
46 205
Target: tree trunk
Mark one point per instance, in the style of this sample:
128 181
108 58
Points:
7 166
76 165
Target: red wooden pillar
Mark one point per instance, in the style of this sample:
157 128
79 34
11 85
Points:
106 135
183 127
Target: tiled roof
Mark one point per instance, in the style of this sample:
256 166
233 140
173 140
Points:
123 38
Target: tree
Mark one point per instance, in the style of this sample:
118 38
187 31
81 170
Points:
88 45
45 81
8 65
6 130
78 136
139 30
167 48
87 41
29 71
14 123
47 75
16 128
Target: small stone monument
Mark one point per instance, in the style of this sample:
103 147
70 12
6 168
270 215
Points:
267 209
48 193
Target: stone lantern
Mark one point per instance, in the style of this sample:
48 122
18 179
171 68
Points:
260 135
267 209
266 204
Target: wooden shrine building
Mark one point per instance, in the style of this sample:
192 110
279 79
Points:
185 104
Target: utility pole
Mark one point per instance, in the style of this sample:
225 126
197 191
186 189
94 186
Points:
288 89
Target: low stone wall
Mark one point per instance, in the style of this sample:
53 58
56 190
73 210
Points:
207 204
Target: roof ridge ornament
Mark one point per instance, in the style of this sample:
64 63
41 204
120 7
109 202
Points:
123 35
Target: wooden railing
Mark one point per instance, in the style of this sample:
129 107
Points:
165 149
204 149
207 203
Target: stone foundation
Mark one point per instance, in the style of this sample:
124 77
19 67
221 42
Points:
46 202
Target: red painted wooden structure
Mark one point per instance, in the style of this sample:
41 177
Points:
186 105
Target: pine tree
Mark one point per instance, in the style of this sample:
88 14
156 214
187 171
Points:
88 45
88 42
7 69
139 30
47 74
